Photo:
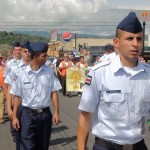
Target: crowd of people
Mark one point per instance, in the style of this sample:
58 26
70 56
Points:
29 87
29 83
115 97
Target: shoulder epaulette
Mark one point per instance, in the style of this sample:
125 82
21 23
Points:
146 65
48 68
23 68
103 63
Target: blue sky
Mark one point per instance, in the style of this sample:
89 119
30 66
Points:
83 16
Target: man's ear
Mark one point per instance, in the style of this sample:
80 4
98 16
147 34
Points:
116 43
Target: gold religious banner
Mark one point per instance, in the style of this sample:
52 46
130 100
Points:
75 79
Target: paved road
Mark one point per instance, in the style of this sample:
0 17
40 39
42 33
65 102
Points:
63 135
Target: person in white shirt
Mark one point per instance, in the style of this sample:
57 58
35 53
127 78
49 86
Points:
116 98
35 90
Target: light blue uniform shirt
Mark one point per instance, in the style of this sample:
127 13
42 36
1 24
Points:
12 75
35 87
10 64
118 100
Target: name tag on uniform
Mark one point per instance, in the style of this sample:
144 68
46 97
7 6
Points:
27 82
113 91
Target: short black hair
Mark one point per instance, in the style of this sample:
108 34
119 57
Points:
81 57
16 44
118 32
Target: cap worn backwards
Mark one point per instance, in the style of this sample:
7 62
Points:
130 24
38 47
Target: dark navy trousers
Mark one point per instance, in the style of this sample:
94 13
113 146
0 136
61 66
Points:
139 146
35 130
18 133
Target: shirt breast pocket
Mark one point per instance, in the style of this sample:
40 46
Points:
27 90
113 106
145 102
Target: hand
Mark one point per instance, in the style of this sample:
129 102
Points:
10 113
16 124
56 119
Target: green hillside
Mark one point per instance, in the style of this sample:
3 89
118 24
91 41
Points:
7 38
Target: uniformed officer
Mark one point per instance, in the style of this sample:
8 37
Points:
10 64
12 75
10 78
16 58
36 89
115 95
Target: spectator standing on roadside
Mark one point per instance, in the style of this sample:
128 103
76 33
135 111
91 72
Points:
2 101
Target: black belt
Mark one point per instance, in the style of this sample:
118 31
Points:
109 144
38 110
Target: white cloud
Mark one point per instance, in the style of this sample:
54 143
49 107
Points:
35 10
73 15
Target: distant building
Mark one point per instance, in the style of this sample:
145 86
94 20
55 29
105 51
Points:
91 44
95 46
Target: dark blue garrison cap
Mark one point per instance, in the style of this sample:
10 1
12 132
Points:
38 47
16 44
130 24
26 44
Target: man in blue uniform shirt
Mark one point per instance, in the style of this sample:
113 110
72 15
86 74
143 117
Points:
115 95
36 89
10 78
12 75
15 61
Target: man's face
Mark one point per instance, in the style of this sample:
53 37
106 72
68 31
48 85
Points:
17 52
82 60
25 54
42 58
66 58
130 46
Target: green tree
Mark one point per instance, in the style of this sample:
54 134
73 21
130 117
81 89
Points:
4 48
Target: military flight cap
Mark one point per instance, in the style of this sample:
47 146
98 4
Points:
26 44
130 24
38 47
16 44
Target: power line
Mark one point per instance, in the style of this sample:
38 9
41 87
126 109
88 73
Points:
56 25
53 22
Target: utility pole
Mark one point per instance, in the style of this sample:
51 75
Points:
75 38
144 24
